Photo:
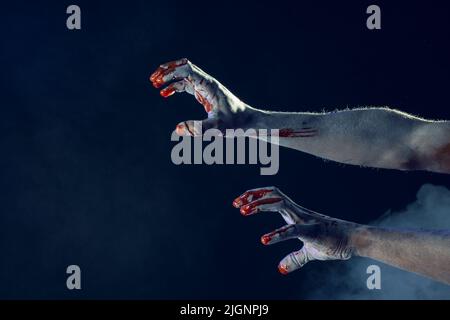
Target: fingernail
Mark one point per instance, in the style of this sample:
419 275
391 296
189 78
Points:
237 202
167 92
283 269
180 129
265 239
155 74
158 82
247 210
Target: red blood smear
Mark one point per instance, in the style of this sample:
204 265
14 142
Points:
204 102
246 210
271 234
156 77
167 92
291 133
158 80
283 269
237 202
156 74
265 239
252 207
243 199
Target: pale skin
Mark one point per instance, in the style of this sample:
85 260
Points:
426 252
372 137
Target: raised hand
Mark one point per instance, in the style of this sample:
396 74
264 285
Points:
323 237
225 110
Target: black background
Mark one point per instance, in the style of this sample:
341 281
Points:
85 171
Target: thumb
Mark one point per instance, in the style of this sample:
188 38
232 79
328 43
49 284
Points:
294 261
195 127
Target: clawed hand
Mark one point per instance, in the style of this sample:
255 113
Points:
225 110
323 237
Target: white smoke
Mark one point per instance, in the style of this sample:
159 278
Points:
431 210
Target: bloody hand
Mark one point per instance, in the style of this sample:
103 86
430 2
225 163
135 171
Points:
323 237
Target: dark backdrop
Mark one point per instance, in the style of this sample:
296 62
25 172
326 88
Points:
85 171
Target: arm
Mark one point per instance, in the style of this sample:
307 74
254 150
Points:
326 238
375 137
424 252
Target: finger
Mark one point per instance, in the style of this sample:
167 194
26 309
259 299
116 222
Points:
304 232
195 128
165 76
275 204
169 71
266 204
202 96
179 86
294 261
268 199
252 195
168 65
281 234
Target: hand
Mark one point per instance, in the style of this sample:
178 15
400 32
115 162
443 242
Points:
323 237
225 110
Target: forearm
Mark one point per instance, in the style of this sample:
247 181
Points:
419 251
375 137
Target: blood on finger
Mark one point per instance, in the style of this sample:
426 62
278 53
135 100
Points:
157 77
283 269
265 239
206 104
301 133
252 207
167 92
244 198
